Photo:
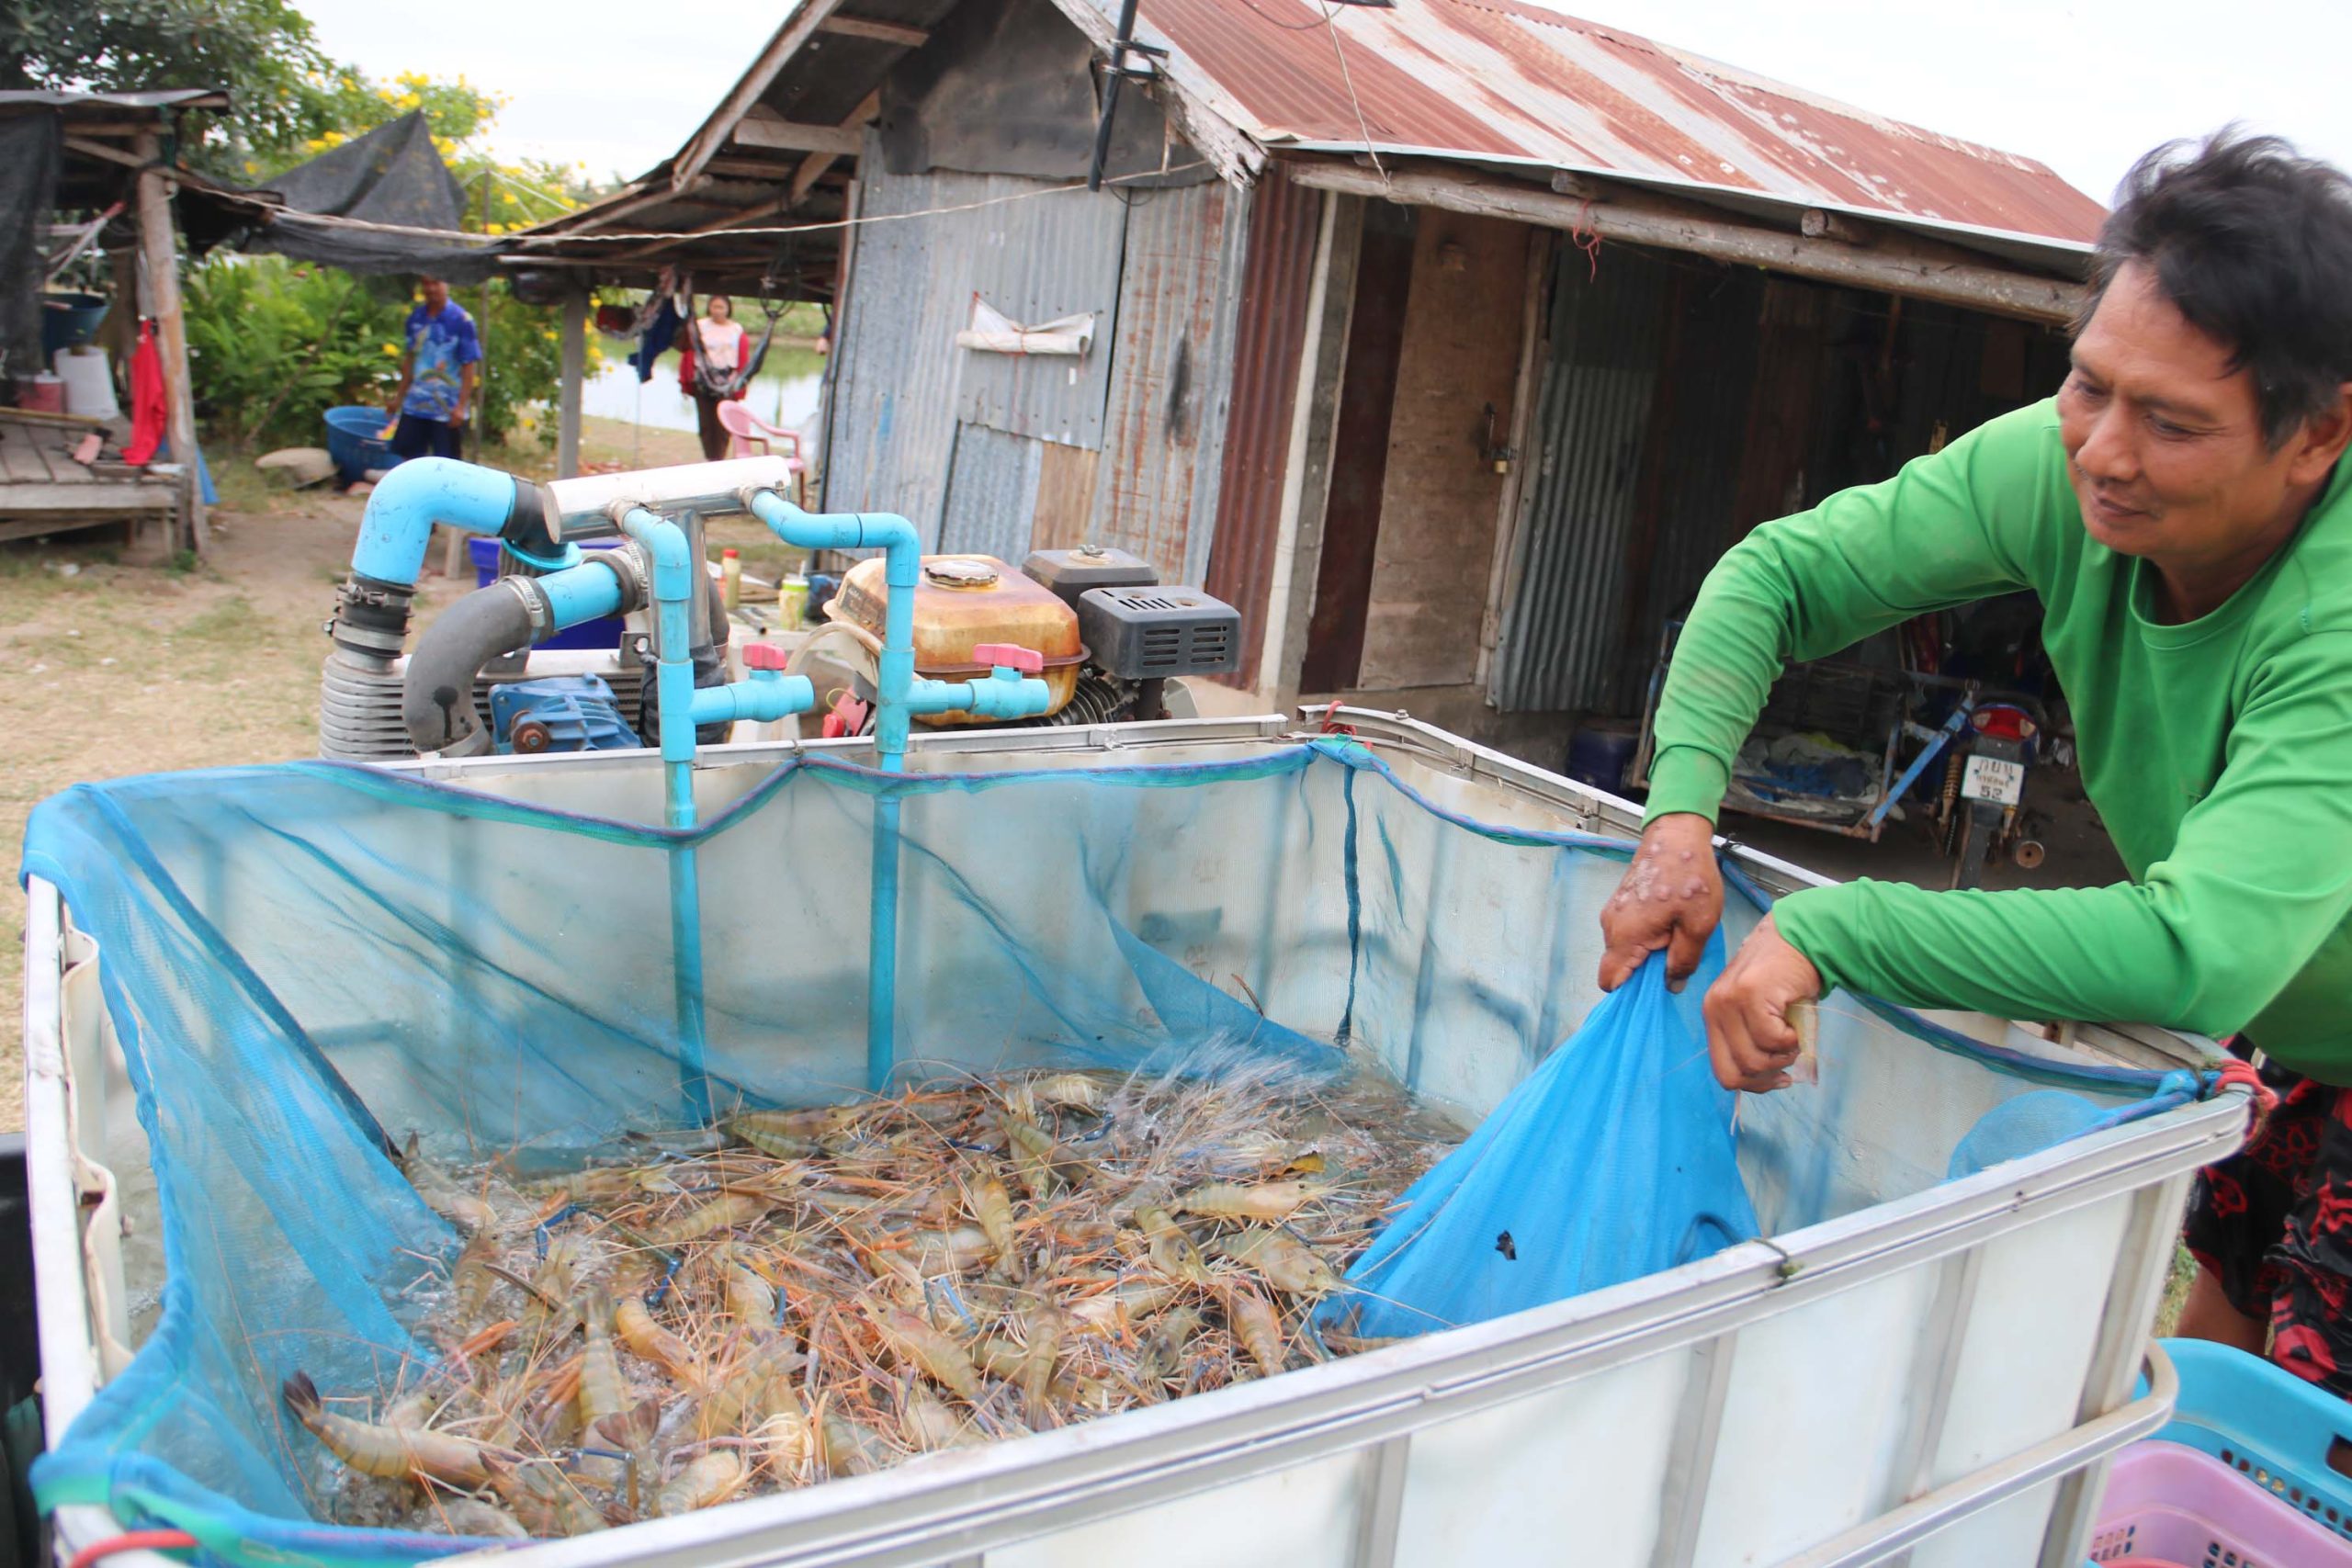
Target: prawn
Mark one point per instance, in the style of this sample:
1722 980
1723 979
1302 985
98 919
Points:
1259 1327
731 1208
472 1517
544 1499
993 1207
394 1453
1282 1261
709 1480
1233 1201
649 1342
633 1434
929 1351
1172 1252
1032 1155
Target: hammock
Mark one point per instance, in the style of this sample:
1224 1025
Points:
727 385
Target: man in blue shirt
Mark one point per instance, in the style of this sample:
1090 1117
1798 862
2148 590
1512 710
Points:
438 376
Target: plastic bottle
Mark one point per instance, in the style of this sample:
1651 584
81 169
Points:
792 600
730 579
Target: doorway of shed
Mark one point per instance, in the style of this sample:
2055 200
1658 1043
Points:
1434 338
1679 404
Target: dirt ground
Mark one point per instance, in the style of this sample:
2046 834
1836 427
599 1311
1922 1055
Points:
112 669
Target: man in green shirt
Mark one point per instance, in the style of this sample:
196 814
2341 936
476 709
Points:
2180 510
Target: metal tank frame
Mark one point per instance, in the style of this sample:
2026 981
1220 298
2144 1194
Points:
1688 1417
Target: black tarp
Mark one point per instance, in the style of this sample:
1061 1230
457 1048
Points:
394 175
29 157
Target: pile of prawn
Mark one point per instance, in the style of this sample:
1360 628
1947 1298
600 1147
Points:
793 1295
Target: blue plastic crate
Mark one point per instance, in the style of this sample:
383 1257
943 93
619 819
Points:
2268 1425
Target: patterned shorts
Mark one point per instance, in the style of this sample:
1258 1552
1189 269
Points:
2273 1224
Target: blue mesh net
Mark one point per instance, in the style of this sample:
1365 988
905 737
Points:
307 963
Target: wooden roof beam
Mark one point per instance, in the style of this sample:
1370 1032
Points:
1895 263
881 32
765 128
797 30
812 168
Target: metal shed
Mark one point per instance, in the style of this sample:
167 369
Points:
1322 228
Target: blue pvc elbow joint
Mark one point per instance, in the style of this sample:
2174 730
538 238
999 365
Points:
402 509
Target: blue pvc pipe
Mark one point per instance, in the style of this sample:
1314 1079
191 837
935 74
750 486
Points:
900 695
580 594
762 698
673 664
402 509
1006 694
673 674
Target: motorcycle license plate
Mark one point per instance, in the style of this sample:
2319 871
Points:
1990 778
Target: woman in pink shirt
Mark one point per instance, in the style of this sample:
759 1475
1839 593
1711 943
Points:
718 339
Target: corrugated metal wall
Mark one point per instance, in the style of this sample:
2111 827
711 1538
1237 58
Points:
893 417
991 493
1039 261
1277 278
954 439
1561 633
1171 377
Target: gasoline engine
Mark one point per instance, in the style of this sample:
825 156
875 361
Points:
1111 643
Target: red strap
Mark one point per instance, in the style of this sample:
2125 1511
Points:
134 1541
2266 1099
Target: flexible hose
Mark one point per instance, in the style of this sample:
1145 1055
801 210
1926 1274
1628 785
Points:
437 698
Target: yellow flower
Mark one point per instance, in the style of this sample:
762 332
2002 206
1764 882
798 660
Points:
335 138
252 167
493 228
408 101
549 334
393 349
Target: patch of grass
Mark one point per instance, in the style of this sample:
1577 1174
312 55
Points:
230 626
180 563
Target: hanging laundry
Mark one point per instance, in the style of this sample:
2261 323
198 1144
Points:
148 415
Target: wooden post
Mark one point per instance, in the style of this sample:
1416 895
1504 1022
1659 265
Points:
164 281
568 390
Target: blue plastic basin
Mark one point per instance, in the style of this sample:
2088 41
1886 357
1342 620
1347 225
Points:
354 443
69 320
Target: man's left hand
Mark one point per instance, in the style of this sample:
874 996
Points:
458 420
1750 1041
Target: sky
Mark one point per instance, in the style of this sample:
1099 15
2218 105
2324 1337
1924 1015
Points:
2085 85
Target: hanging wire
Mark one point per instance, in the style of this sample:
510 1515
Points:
636 236
1331 25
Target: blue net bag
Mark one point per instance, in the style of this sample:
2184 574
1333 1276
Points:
1616 1158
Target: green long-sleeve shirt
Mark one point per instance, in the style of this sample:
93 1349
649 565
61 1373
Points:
2219 752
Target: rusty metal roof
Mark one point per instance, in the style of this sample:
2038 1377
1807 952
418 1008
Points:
1496 82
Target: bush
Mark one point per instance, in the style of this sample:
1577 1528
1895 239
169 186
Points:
273 343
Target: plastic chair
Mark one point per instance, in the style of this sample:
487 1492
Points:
748 435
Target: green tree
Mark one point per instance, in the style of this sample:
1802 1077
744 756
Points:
261 51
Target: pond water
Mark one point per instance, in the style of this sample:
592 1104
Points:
785 393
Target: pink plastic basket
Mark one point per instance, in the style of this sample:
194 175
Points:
2170 1505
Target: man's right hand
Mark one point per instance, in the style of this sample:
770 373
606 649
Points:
1671 898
